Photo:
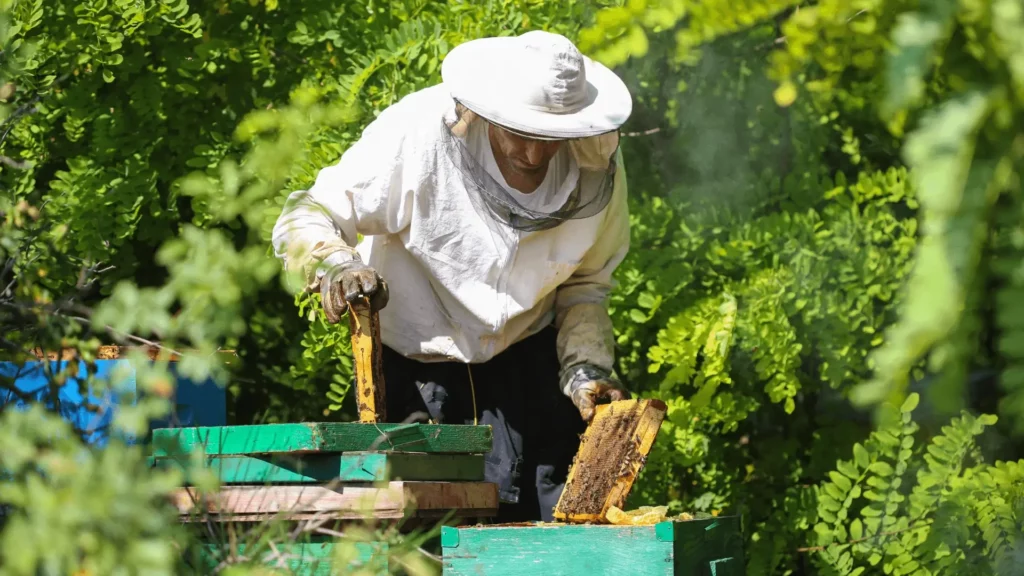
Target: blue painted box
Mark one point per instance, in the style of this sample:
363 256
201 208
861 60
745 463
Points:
91 414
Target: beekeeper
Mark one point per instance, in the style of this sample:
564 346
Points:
492 209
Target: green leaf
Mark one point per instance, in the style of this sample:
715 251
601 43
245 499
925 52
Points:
847 469
861 455
785 94
881 468
856 529
637 316
646 300
826 515
829 503
910 403
915 37
843 482
878 482
834 491
870 511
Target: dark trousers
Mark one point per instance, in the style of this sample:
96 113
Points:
536 428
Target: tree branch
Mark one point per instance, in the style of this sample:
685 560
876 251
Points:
117 334
859 540
642 133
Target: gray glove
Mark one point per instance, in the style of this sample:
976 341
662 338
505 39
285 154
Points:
585 384
350 282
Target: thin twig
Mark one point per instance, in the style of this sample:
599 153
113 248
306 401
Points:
9 265
782 39
20 165
433 557
858 540
26 109
329 532
647 132
131 337
280 559
86 321
403 425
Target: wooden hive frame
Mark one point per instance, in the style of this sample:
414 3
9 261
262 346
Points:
613 451
364 328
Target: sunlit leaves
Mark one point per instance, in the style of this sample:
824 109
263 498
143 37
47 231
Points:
941 154
949 73
620 33
917 37
73 511
907 529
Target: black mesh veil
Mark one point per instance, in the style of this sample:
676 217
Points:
595 156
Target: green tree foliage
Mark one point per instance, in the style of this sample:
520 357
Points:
826 214
938 509
821 227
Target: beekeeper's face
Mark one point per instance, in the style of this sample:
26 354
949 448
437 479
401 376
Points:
523 154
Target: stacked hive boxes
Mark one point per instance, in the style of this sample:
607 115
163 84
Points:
334 472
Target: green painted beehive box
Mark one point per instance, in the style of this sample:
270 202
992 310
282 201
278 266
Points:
318 558
711 547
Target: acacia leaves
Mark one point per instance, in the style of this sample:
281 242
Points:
68 511
810 218
907 511
951 82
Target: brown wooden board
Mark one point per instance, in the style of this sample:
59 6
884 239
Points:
390 500
612 452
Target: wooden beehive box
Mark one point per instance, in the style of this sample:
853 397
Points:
316 558
711 547
336 471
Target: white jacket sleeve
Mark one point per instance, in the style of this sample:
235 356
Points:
585 332
369 192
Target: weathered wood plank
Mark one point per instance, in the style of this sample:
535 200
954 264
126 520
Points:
345 467
324 437
347 502
364 328
612 452
672 548
305 558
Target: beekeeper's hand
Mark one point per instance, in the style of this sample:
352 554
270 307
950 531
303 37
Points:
351 282
587 384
